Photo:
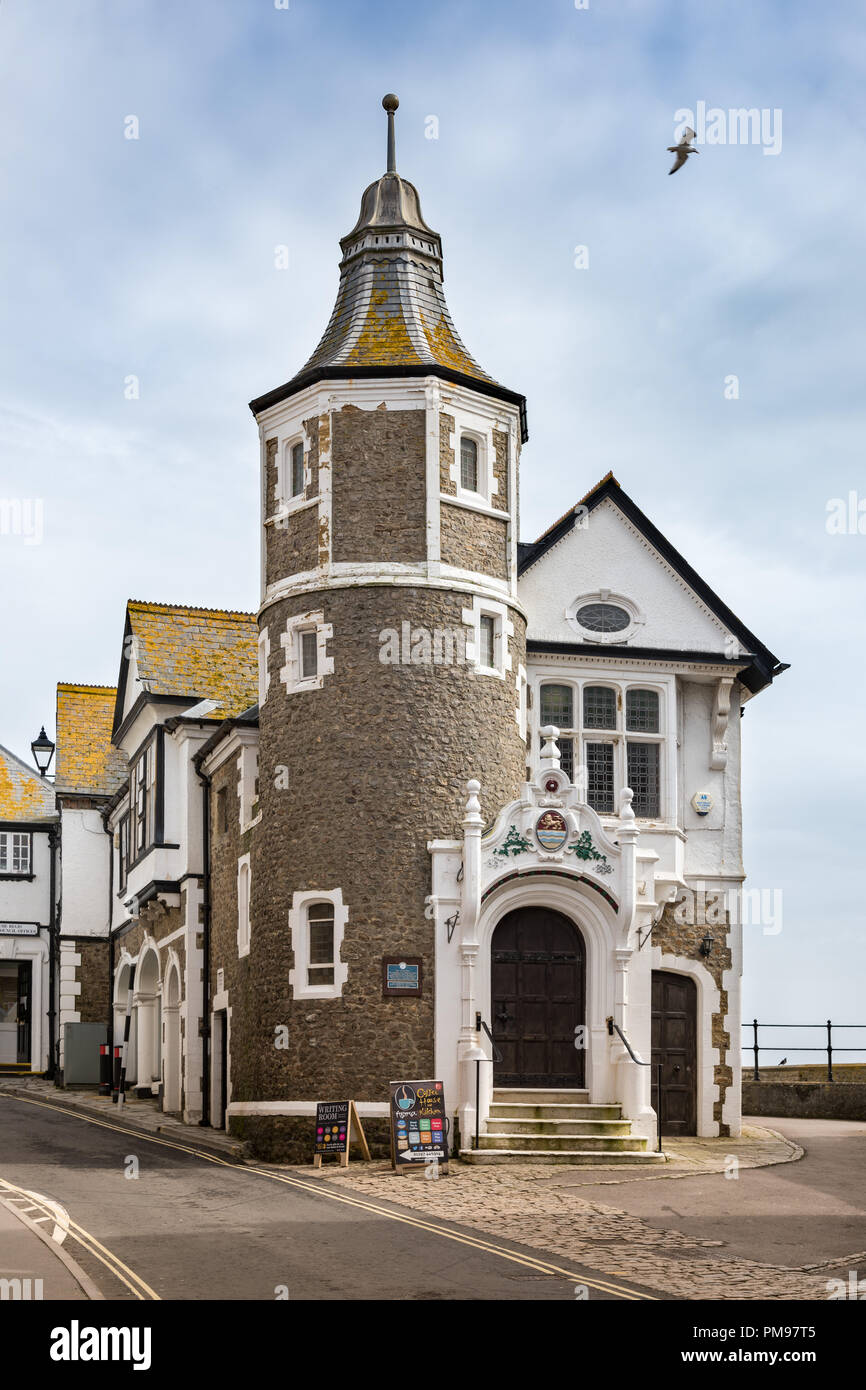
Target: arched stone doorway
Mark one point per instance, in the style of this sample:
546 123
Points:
147 1018
538 1000
171 1012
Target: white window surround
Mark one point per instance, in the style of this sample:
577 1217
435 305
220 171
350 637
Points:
638 618
287 501
503 629
244 885
290 641
264 658
521 713
620 736
481 433
248 771
299 927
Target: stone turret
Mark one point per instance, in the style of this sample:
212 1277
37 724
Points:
392 656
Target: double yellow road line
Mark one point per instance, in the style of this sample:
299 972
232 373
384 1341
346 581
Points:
322 1189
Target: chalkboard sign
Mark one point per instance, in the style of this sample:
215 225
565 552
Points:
337 1125
332 1127
418 1124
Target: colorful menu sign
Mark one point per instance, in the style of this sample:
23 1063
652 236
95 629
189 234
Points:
337 1126
332 1127
418 1124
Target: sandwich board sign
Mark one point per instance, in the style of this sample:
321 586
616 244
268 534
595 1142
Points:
337 1125
419 1127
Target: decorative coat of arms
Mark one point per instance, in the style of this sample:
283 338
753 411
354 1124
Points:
551 830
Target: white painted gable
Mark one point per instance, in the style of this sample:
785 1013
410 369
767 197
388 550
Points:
608 552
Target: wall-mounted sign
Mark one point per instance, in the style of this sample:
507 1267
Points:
337 1126
19 928
401 975
551 830
702 802
419 1132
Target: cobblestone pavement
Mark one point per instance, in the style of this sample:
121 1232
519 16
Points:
540 1207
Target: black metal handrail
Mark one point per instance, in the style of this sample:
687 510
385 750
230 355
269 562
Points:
829 1048
481 1027
615 1028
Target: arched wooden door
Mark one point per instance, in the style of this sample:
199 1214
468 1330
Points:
538 999
675 1047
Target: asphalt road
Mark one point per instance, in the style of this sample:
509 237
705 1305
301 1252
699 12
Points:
192 1229
798 1214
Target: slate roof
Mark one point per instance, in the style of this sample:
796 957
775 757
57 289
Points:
24 795
193 653
87 762
391 317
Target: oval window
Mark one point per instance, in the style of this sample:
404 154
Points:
603 617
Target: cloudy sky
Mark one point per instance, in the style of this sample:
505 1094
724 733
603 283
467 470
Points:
259 126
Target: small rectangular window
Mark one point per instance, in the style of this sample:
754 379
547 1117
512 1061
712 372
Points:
309 655
297 469
599 777
468 465
320 921
15 852
643 777
642 711
487 633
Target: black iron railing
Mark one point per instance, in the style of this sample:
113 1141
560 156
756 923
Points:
828 1048
615 1028
481 1027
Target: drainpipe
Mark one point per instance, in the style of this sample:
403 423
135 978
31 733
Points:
206 995
109 1023
53 946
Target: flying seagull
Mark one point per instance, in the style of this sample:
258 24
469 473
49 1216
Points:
683 149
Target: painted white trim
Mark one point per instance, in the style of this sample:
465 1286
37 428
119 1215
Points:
244 927
290 674
299 927
367 1109
264 656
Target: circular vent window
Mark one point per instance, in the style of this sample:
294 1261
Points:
603 617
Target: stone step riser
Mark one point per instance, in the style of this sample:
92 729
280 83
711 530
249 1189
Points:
610 1128
540 1097
500 1111
577 1158
590 1142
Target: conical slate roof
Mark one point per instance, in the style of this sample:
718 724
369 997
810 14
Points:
390 317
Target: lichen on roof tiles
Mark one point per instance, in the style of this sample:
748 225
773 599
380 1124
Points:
199 653
87 761
24 795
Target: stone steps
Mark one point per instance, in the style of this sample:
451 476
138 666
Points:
579 1157
507 1124
535 1125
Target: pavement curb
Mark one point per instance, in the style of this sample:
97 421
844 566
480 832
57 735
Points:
83 1280
237 1158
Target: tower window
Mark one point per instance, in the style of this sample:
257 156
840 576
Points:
468 464
309 655
297 469
320 921
487 635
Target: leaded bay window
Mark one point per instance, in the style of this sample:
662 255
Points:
15 855
320 923
610 738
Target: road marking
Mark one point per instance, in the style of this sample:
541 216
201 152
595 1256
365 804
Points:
84 1238
475 1242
